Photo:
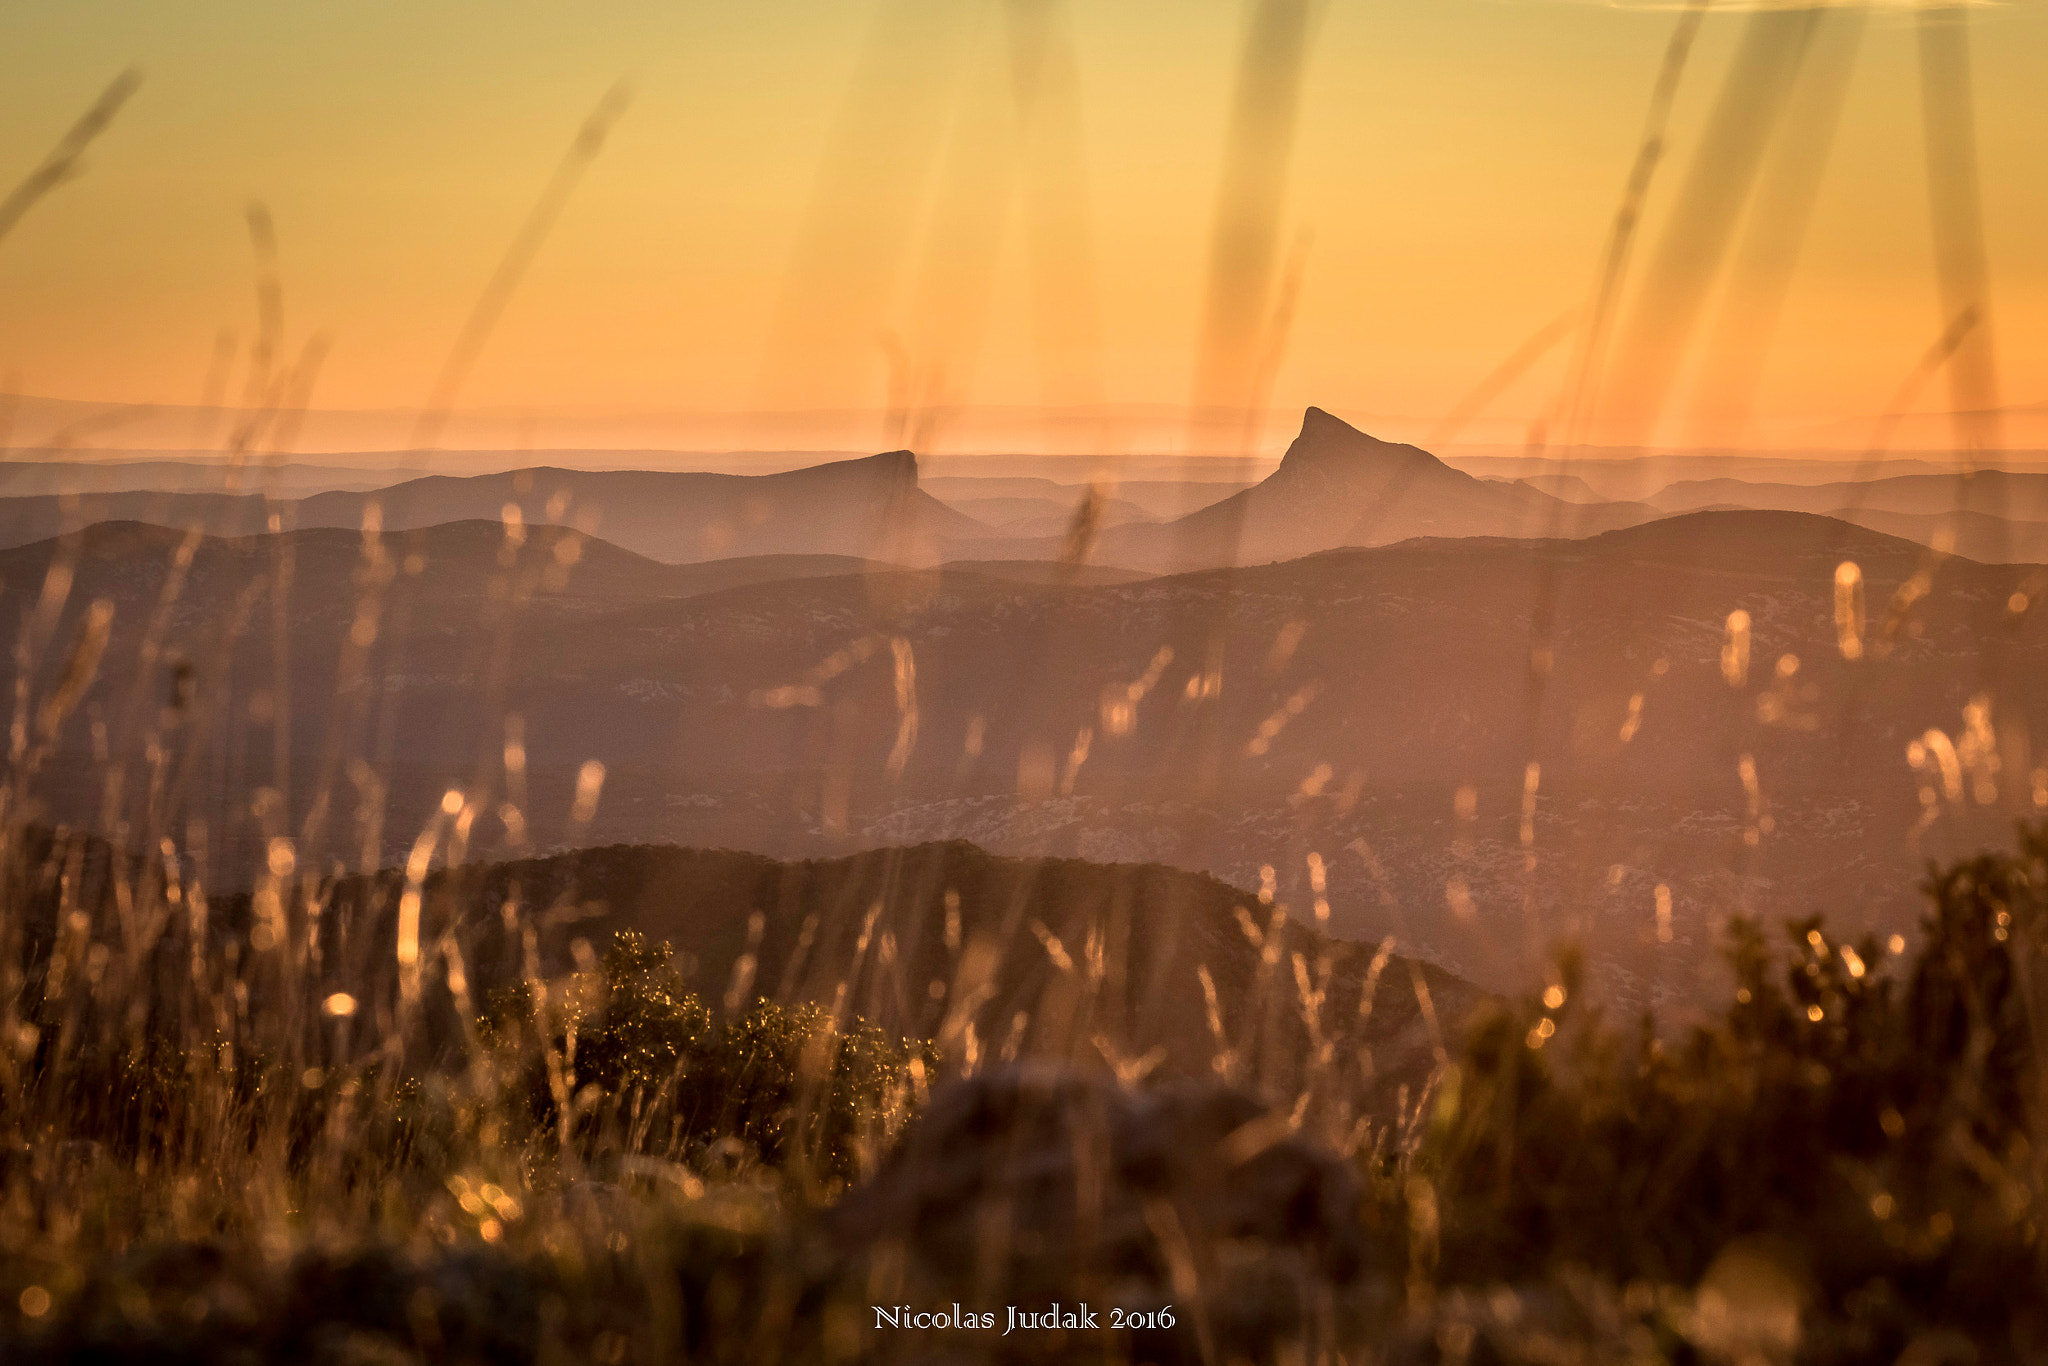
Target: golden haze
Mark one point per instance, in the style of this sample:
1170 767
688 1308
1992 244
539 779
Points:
1454 168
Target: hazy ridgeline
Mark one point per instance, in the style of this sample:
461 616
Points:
1374 911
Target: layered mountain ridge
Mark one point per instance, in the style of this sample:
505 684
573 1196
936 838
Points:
1219 720
1337 486
870 508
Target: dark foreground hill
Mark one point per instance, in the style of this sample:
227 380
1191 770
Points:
1097 966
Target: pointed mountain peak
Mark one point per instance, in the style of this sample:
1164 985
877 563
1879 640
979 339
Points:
1327 442
1316 422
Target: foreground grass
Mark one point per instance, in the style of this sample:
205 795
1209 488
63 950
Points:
1846 1165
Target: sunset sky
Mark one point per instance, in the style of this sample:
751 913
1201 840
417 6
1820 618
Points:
795 179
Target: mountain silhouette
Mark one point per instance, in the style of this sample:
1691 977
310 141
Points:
1336 486
22 475
130 565
1216 721
2020 496
1157 499
1974 535
869 508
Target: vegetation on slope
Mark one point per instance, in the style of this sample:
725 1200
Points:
1845 1165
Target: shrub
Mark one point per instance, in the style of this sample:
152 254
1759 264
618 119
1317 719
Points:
1867 1112
642 1061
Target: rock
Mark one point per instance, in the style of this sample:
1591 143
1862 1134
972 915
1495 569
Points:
185 1302
1031 1185
209 1303
470 1303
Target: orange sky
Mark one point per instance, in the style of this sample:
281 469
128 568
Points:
796 180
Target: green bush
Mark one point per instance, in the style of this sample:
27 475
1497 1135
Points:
1869 1112
642 1060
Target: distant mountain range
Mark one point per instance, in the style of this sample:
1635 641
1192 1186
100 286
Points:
1569 487
1161 499
1975 535
1338 487
1226 720
1998 493
23 475
1335 487
1997 516
1636 475
871 508
1045 516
